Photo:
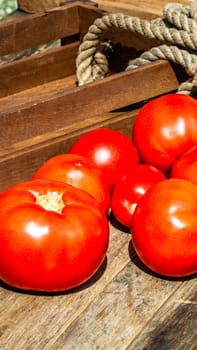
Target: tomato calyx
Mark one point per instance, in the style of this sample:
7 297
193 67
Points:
51 201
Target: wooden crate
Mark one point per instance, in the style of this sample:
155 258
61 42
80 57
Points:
42 111
41 108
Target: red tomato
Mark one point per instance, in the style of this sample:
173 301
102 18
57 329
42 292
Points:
52 236
164 129
164 228
185 167
79 172
130 189
112 151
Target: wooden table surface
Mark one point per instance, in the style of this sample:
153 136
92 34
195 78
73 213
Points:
124 306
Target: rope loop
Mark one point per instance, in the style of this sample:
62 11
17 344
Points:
176 31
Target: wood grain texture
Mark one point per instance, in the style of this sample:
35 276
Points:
143 8
29 31
59 110
115 310
21 160
53 106
51 65
175 325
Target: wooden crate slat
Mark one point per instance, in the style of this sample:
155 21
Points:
33 30
58 109
142 8
19 161
38 69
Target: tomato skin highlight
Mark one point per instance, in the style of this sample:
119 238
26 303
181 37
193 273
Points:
164 228
185 167
165 128
79 172
130 188
44 250
112 151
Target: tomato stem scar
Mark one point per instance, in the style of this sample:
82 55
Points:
51 201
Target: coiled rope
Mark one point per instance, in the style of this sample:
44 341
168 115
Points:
176 31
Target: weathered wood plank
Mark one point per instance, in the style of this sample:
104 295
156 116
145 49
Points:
175 324
33 321
107 313
33 30
38 69
52 106
112 311
142 8
120 312
20 161
37 6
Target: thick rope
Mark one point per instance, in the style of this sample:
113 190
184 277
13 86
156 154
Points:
176 32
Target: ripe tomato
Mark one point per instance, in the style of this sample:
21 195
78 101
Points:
164 228
112 151
52 236
164 129
77 171
185 167
130 188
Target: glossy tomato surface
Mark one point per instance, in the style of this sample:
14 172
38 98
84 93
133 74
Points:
185 167
79 172
53 236
164 228
130 188
112 151
165 128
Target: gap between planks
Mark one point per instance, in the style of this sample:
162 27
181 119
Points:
89 293
160 335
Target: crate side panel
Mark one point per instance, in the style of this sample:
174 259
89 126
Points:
22 160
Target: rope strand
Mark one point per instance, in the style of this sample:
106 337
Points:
177 31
